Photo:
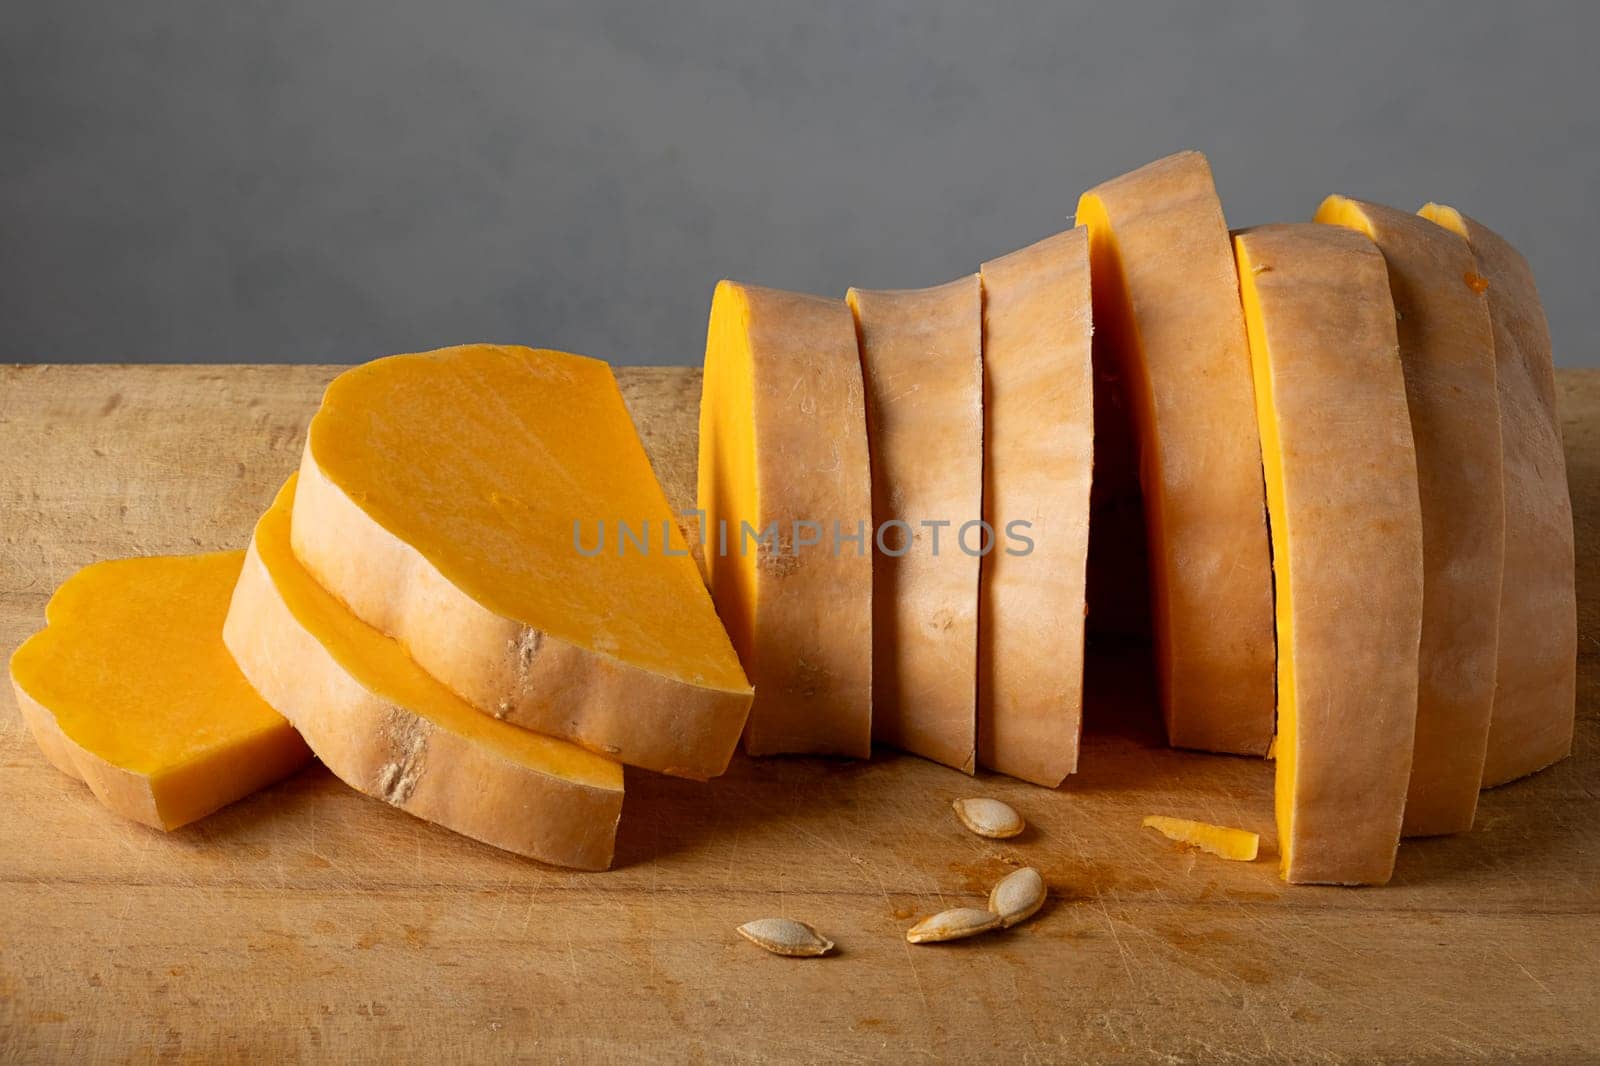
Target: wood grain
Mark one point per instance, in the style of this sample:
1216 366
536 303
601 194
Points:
308 921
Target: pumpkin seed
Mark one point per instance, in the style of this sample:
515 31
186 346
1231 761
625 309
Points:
1018 896
989 818
785 936
953 925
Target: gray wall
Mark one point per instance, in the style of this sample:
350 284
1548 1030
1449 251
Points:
319 180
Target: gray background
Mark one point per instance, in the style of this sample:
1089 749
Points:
316 180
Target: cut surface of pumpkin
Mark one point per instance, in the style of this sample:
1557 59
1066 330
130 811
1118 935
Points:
1535 695
492 508
130 689
1166 314
785 486
1346 531
1447 356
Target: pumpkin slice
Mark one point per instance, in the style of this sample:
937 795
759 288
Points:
786 491
1166 312
1535 695
492 509
1341 477
1447 355
388 729
921 357
1038 451
130 690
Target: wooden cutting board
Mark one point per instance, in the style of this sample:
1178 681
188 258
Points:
309 921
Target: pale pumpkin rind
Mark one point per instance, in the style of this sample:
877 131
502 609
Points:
1535 698
1038 466
1167 316
785 488
388 729
1447 356
921 358
1347 553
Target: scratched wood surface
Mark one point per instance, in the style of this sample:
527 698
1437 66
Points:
308 921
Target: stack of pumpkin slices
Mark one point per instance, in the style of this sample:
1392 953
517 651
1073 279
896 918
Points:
415 606
1344 437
